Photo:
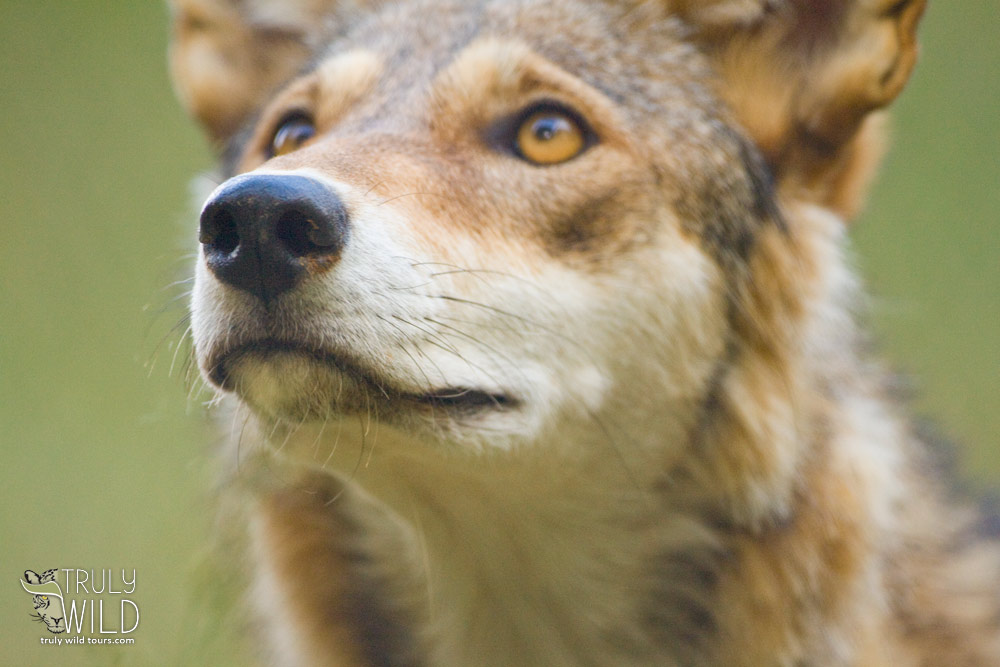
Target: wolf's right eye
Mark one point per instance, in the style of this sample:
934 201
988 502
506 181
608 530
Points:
293 131
550 136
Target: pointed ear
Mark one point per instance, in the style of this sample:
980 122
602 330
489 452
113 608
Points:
227 55
804 76
31 577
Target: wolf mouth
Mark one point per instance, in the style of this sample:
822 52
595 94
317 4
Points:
455 398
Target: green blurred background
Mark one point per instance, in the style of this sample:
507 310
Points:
103 453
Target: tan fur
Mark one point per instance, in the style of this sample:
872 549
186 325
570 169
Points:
803 88
690 458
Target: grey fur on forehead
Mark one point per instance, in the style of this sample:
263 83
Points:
635 53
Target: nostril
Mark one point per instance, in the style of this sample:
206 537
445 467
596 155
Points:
220 233
302 236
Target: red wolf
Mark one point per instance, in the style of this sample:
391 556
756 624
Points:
539 344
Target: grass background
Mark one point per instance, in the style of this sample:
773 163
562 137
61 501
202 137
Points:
103 455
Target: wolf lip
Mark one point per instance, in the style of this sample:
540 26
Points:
465 399
218 368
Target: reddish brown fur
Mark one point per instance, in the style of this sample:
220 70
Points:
331 597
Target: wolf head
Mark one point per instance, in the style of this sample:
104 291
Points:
484 223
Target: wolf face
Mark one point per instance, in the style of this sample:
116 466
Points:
477 293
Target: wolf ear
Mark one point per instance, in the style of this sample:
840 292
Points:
31 577
227 55
804 76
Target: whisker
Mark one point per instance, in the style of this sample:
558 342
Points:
409 287
371 449
177 349
499 311
372 188
432 336
418 350
289 434
239 440
414 194
489 349
319 435
184 322
177 283
336 443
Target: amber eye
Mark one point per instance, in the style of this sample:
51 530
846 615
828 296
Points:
550 137
291 134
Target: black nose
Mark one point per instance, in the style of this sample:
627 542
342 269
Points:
264 233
